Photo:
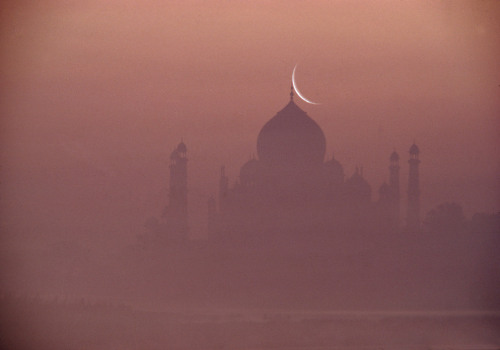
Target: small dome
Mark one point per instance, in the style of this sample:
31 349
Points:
291 137
357 181
358 187
394 157
333 167
249 171
334 173
414 149
181 147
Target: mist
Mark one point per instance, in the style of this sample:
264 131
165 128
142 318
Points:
106 220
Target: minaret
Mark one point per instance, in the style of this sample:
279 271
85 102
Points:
223 188
212 214
413 211
177 208
394 189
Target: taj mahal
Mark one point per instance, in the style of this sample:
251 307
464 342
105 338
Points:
290 197
294 229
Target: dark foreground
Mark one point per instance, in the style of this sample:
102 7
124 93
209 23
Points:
32 323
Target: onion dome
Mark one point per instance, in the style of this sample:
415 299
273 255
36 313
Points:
291 137
394 157
249 172
414 149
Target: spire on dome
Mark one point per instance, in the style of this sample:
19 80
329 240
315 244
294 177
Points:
291 92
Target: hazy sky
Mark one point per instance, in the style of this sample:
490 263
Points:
95 94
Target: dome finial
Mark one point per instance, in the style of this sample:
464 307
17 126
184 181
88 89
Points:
291 92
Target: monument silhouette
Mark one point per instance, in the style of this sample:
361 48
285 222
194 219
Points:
292 220
290 195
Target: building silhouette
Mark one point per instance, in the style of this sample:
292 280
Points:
413 212
176 212
289 196
294 226
389 196
394 195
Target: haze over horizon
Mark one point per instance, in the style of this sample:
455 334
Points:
109 239
95 96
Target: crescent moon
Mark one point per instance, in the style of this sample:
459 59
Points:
297 90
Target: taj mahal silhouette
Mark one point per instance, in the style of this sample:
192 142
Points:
289 194
294 230
293 221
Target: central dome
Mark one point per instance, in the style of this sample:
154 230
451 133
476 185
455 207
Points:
291 137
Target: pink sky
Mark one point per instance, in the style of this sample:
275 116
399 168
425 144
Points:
96 94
